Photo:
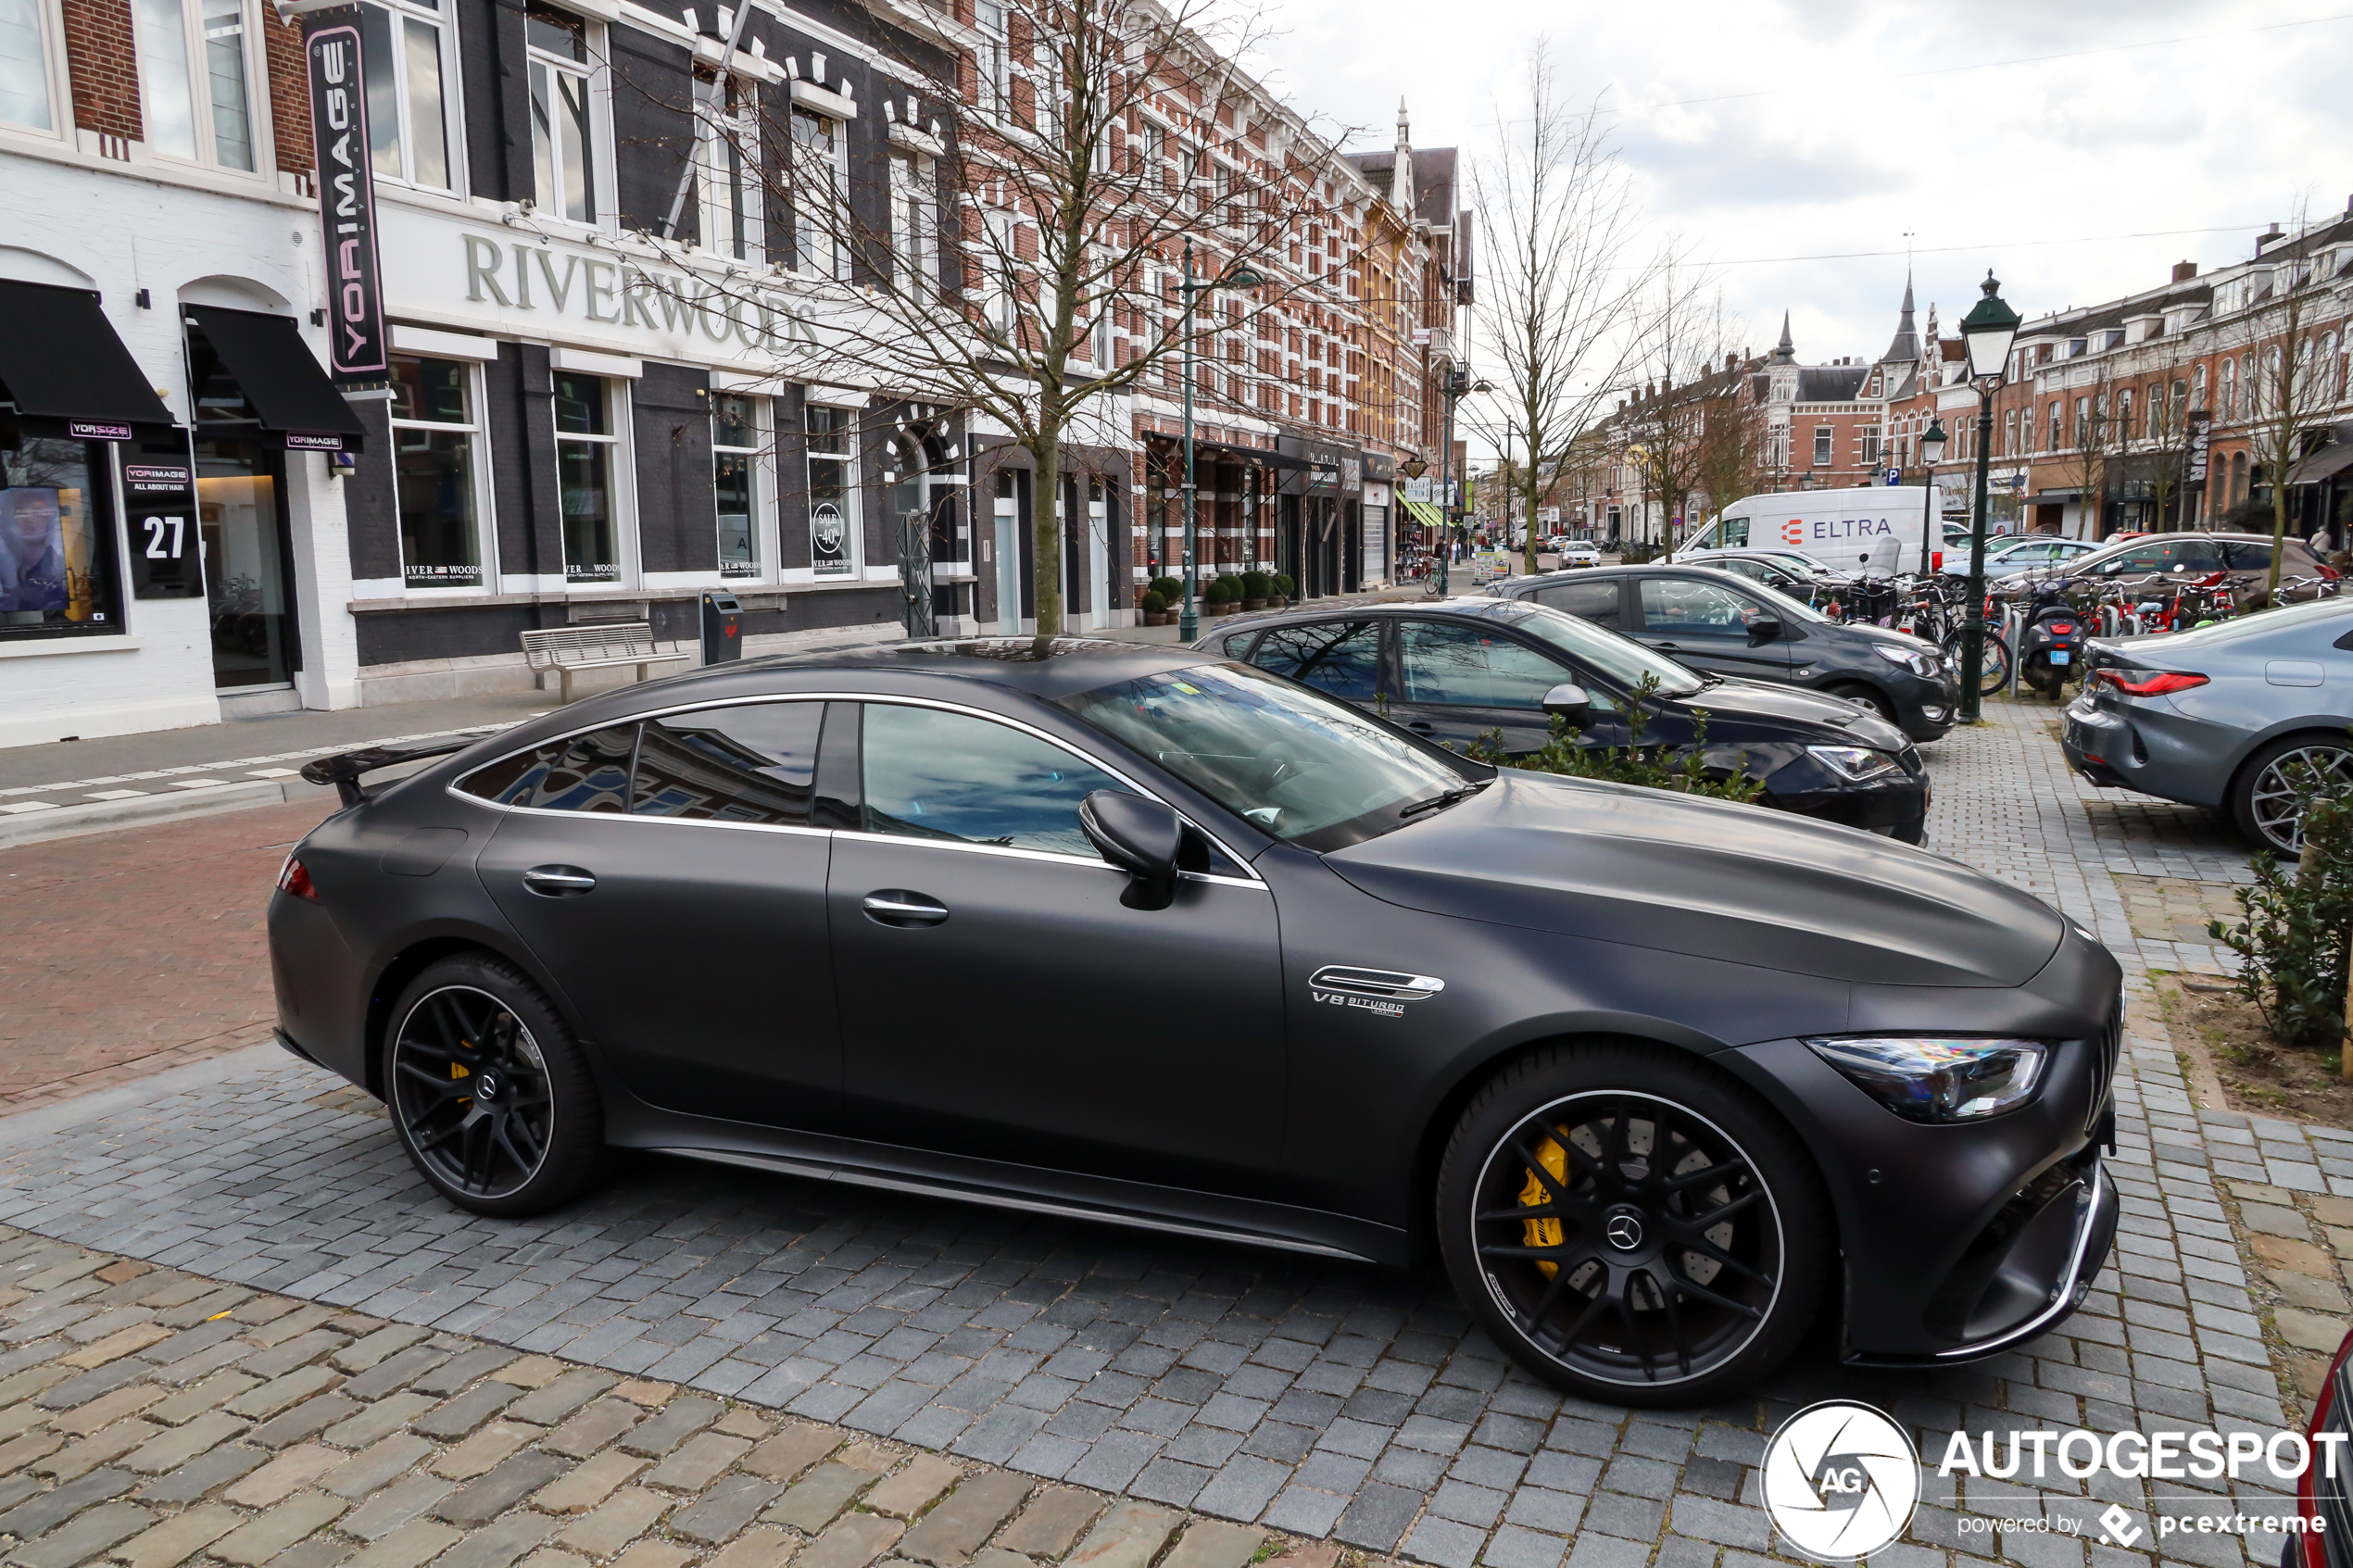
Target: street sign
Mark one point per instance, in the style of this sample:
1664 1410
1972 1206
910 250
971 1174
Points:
1895 476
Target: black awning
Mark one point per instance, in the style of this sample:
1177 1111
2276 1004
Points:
60 359
1227 451
279 377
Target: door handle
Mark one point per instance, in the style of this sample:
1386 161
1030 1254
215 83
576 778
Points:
1666 648
1419 726
897 907
558 882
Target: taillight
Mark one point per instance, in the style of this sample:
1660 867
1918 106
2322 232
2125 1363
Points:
2151 686
2326 570
294 878
2063 627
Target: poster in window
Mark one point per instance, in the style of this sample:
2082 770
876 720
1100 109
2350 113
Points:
166 559
33 552
828 540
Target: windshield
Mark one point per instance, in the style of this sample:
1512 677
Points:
1299 765
1621 660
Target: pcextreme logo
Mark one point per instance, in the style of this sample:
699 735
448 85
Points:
1840 1481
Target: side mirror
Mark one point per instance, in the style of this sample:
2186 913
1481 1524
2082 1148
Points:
1141 837
1569 702
1765 630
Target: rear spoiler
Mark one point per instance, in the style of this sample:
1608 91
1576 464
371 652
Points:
344 768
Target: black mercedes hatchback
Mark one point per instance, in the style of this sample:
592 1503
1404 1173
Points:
1728 625
1149 936
1455 671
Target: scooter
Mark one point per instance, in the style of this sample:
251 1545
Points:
2051 643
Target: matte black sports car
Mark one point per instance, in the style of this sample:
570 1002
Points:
1455 671
1145 935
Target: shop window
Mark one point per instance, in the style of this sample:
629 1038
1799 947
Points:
564 136
727 175
28 88
833 498
914 221
734 462
585 453
56 539
435 437
195 75
820 175
410 54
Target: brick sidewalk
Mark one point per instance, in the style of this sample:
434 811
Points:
130 952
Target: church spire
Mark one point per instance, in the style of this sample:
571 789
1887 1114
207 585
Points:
1904 348
1786 352
1401 174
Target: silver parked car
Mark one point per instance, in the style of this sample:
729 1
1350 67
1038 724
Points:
2244 716
2008 557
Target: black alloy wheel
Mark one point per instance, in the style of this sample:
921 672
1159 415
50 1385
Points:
1632 1227
489 1094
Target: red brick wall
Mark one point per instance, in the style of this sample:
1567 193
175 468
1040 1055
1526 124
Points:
104 73
289 92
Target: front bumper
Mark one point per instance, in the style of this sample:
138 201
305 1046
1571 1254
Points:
1926 709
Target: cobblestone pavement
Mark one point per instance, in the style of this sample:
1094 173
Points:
1329 1402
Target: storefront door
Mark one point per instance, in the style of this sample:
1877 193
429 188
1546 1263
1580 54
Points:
247 562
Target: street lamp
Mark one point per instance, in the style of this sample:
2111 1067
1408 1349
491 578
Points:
1989 329
1458 386
1233 277
1932 454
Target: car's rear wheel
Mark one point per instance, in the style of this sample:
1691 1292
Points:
489 1091
1632 1226
2268 797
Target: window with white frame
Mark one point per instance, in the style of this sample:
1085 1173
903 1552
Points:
820 165
914 220
728 171
1000 307
195 80
411 59
993 60
563 114
586 452
29 95
1821 447
833 493
436 434
737 424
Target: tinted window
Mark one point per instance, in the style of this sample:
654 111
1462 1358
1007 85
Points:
1467 667
586 772
1237 645
747 764
930 775
1338 656
2247 556
1597 602
1678 607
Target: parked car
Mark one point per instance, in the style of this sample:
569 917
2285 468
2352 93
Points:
2156 561
1144 935
1457 669
1579 552
2016 553
2234 715
1727 625
1797 576
2324 1490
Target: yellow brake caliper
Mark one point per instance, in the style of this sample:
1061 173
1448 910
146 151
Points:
1535 1195
458 1070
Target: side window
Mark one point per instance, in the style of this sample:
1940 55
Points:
586 772
1237 645
2248 554
753 763
1596 602
1735 533
1467 667
2195 553
1338 656
1678 607
930 775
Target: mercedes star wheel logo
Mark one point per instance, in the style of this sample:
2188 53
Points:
1840 1481
1625 1232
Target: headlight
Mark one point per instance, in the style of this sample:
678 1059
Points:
1918 663
1925 1079
1855 762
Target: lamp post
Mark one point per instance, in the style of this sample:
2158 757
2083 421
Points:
1989 329
1458 386
1932 454
1234 277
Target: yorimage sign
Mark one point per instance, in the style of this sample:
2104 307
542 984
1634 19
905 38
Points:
357 345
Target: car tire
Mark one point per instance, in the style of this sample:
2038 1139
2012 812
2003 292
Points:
1865 696
489 1091
1646 1302
2267 780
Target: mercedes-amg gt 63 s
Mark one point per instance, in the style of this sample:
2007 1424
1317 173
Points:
1145 935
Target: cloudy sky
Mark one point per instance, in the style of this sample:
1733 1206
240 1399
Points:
1781 138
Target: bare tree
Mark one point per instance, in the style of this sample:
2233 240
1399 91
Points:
1681 359
1558 300
2292 392
1054 165
2094 431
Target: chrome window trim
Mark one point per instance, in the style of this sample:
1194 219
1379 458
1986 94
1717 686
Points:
1251 879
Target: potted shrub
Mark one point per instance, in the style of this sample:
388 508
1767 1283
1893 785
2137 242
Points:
1284 589
1155 609
1254 590
1171 591
1224 594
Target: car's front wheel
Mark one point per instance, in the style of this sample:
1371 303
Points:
1632 1226
489 1091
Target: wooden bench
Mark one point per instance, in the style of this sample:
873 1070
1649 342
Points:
598 644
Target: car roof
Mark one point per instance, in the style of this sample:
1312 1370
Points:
1477 604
